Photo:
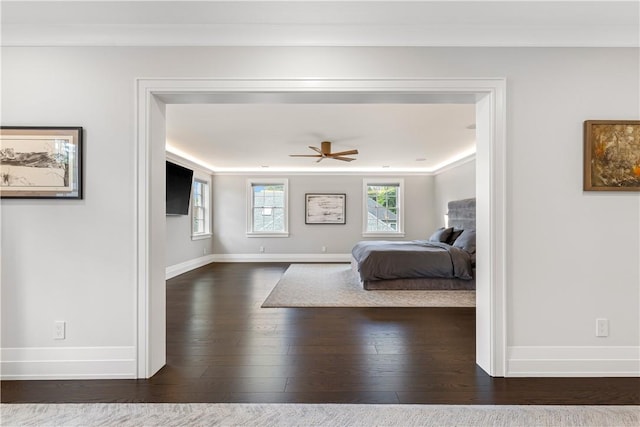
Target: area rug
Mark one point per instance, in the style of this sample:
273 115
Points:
275 415
337 285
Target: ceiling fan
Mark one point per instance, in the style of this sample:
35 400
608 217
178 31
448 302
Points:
324 152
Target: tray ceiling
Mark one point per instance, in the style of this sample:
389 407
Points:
229 137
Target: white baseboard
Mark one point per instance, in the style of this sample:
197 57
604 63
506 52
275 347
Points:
584 361
266 257
67 363
183 267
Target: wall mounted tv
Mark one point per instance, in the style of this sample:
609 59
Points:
178 189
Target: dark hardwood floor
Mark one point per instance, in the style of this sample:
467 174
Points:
222 347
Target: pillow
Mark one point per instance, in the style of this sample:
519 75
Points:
466 241
455 233
441 235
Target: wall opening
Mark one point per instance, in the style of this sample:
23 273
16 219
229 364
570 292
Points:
487 94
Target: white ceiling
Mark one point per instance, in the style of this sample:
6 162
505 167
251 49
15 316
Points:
320 23
229 137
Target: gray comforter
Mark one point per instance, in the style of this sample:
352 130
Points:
382 260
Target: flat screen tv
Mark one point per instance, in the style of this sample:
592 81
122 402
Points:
178 189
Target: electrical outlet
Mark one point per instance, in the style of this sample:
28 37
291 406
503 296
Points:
204 251
602 327
59 329
261 249
324 249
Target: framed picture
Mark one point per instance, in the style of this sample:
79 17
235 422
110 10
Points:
41 162
325 209
611 155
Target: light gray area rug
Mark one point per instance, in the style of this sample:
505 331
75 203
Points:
337 285
267 415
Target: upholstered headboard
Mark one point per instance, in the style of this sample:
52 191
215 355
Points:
462 214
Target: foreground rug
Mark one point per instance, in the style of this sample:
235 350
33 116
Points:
336 285
226 414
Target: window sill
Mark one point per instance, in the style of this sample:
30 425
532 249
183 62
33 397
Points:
267 234
201 236
382 234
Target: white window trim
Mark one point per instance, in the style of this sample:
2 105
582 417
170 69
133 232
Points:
201 236
280 181
207 217
365 211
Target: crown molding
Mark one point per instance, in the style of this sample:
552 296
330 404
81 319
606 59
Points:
243 35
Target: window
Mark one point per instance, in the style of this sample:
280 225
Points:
383 207
200 210
267 214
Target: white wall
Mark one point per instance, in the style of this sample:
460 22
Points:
573 256
183 252
230 204
453 184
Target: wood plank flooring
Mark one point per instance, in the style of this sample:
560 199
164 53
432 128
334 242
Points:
222 347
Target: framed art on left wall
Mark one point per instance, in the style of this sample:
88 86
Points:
41 162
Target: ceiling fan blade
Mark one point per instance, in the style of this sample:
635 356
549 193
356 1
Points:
325 152
344 153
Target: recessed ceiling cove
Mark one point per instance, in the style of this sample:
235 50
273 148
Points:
250 136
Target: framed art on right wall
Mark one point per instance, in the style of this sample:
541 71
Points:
611 155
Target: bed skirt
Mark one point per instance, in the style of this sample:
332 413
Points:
427 284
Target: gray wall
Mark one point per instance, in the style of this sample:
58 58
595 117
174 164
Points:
180 246
453 184
230 205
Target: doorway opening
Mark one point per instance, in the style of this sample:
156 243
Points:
489 97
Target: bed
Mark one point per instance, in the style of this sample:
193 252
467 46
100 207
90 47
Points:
445 261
